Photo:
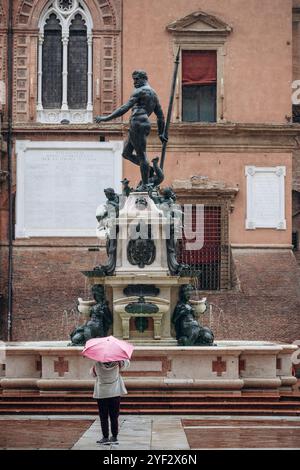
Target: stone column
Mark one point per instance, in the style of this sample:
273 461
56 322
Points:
64 106
90 73
40 73
157 325
125 325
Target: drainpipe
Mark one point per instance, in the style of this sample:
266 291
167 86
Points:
9 165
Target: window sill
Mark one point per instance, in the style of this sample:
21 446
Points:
74 116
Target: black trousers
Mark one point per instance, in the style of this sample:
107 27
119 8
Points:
109 407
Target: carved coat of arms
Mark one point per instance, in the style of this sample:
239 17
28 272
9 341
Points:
141 252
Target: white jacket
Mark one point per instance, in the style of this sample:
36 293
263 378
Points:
109 382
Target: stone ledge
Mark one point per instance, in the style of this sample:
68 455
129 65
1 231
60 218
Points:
57 347
187 136
232 365
256 382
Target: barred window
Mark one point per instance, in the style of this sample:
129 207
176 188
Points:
205 263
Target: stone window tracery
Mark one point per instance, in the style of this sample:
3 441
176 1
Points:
65 63
65 5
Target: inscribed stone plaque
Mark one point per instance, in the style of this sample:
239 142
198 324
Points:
60 185
265 197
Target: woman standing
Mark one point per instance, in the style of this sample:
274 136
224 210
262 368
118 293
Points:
108 389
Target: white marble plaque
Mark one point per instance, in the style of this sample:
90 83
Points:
60 185
265 197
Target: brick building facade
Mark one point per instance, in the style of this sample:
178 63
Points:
237 160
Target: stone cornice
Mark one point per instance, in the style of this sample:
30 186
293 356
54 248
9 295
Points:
183 127
40 128
201 187
230 137
186 137
237 127
200 23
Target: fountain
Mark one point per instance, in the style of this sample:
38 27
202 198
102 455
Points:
138 282
144 295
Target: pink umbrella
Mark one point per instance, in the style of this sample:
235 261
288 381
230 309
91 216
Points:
107 349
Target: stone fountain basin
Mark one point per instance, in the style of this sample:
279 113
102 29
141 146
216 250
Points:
49 366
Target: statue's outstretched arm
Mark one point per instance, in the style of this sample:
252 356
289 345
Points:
118 112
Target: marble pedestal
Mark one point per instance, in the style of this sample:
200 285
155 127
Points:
135 214
161 331
141 260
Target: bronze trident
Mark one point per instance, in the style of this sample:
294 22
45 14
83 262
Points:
167 123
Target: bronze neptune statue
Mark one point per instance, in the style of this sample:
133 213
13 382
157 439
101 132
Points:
143 102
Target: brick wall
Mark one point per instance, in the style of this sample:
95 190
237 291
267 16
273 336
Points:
47 283
265 304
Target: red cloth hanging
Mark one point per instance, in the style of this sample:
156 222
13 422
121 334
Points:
199 67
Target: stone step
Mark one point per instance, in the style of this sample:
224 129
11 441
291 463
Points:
135 406
158 404
141 396
261 402
162 410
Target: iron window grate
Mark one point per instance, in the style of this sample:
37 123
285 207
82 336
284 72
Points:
205 263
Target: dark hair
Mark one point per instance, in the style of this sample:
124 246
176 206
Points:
140 74
109 190
110 364
186 288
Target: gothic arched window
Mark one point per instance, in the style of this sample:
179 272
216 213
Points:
77 64
52 64
65 63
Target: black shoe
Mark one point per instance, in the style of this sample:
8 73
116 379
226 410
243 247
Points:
105 441
114 440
